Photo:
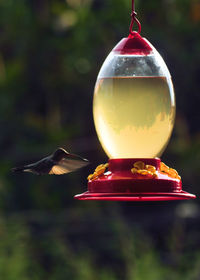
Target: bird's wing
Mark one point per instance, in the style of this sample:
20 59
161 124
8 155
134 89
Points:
57 170
66 166
66 162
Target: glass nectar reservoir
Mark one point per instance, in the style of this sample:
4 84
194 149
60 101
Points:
134 101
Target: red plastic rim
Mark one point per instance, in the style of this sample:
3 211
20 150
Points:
136 197
120 184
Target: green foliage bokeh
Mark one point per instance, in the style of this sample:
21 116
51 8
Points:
50 55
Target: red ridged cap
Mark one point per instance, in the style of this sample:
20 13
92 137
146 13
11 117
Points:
134 44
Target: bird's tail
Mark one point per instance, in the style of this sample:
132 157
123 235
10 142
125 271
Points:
18 169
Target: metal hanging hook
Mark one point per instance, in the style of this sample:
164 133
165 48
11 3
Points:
134 19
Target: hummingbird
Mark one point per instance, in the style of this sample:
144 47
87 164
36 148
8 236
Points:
60 162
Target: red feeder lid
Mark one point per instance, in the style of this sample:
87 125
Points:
119 183
134 44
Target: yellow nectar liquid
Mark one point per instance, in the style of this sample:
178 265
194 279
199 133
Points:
134 116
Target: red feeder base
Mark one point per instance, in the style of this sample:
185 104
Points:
120 184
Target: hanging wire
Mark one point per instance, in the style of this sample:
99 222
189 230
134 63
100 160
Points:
134 19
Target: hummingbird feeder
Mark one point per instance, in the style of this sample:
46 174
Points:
134 113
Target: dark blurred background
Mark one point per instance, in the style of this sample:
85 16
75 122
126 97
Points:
50 55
